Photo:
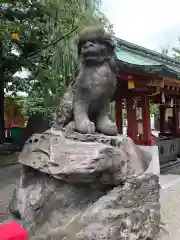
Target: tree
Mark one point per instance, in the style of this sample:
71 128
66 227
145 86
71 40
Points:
165 51
24 36
52 79
154 110
39 36
176 52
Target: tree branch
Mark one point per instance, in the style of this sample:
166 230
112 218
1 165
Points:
17 63
53 42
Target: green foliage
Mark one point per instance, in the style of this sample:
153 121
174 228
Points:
32 106
30 20
165 51
154 110
176 52
112 111
45 46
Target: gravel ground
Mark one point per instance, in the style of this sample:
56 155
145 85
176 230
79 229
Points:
170 199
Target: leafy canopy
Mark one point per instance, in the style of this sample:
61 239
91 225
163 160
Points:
39 36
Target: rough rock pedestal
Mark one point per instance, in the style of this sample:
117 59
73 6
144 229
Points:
86 186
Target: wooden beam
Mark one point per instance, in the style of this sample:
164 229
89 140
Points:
124 93
146 121
119 117
142 79
1 111
175 124
171 82
131 118
162 119
124 74
146 79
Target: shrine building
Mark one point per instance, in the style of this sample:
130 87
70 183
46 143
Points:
147 77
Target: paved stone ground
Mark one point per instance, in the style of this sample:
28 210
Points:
170 199
8 159
170 210
8 178
170 202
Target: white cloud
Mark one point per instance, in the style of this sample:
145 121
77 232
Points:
150 23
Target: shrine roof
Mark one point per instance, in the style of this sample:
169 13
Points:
137 59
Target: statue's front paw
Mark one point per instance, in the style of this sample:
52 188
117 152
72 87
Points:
86 126
107 128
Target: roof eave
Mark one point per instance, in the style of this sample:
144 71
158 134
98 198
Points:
161 70
147 52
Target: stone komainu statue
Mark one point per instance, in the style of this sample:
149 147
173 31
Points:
84 106
61 168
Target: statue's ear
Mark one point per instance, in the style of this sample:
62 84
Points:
114 41
76 41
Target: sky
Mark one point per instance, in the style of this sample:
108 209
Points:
154 24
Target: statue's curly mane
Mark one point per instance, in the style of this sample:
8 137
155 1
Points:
94 33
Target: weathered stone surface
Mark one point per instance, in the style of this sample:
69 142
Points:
86 186
129 212
78 158
43 202
53 209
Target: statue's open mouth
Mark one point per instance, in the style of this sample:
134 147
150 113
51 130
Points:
92 52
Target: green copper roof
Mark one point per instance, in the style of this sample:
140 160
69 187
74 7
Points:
138 59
